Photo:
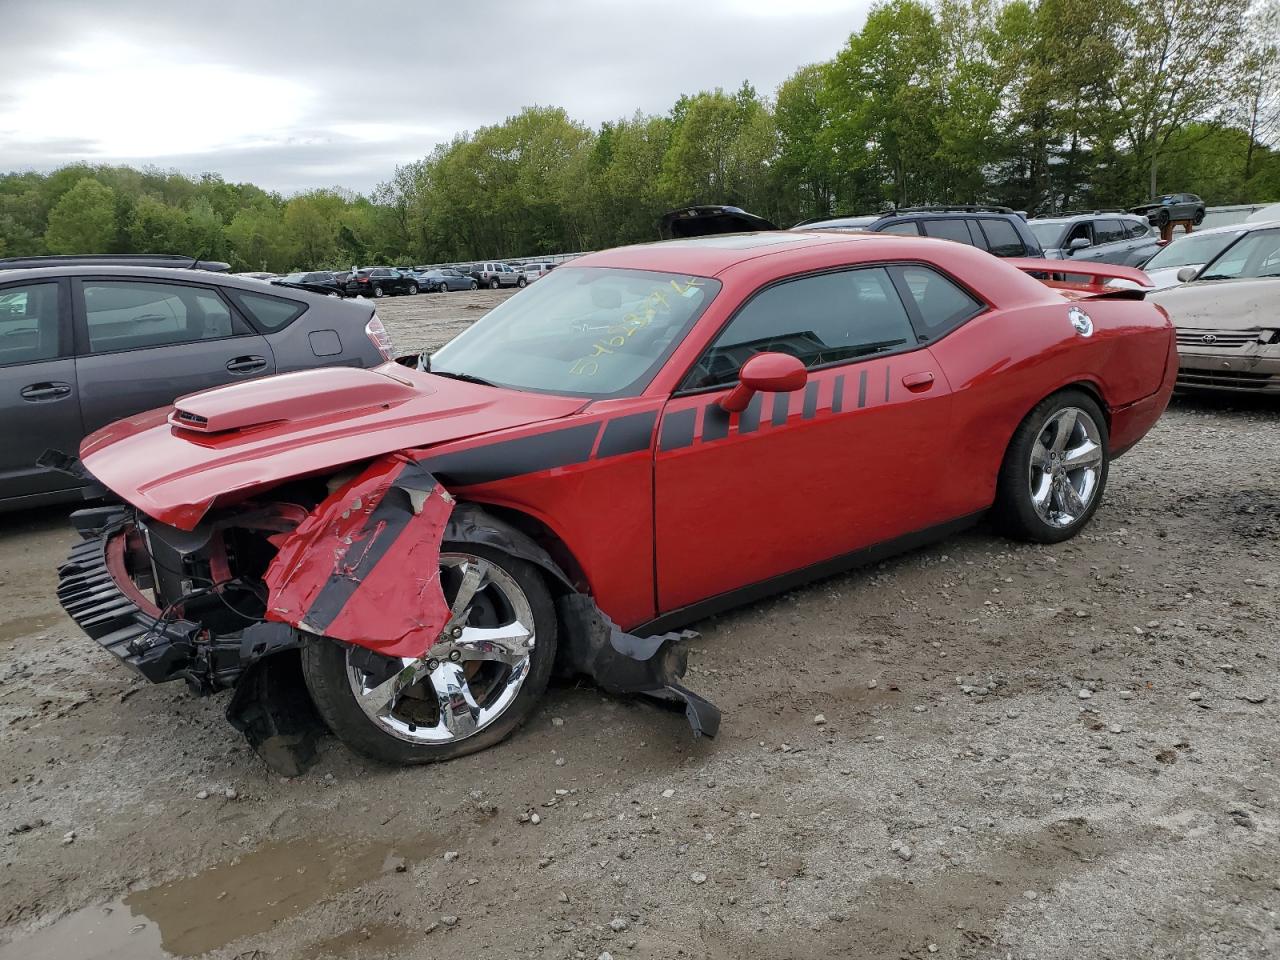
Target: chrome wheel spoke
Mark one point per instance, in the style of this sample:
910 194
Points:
1041 494
1087 454
509 644
474 575
1039 454
1066 426
378 702
1072 505
459 712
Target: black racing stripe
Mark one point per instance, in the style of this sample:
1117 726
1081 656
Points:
677 429
627 434
886 383
810 399
837 395
715 422
862 389
781 407
392 514
749 418
512 458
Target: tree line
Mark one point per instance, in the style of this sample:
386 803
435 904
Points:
1040 105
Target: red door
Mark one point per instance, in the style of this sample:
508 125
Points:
854 459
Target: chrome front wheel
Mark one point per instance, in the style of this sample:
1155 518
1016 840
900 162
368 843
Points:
1065 466
473 687
472 675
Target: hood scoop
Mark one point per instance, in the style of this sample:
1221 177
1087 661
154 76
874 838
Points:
304 395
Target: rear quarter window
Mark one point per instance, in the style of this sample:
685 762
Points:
268 314
1003 239
948 229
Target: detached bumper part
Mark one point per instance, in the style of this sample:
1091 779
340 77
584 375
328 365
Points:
622 663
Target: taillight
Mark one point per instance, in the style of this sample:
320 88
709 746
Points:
376 332
362 279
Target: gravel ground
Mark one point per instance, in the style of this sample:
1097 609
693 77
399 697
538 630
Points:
980 749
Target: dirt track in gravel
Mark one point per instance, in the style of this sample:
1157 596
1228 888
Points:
1139 822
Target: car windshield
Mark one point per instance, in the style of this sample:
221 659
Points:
294 277
1048 233
1257 255
583 331
1193 250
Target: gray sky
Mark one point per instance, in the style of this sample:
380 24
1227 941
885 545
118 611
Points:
319 93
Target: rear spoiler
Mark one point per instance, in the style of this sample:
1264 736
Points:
1055 273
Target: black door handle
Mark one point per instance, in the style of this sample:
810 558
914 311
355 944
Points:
246 364
35 392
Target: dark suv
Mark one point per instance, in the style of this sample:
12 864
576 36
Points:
998 230
1172 206
380 281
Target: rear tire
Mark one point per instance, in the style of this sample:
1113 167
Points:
1198 218
406 736
494 284
521 282
1054 471
413 288
378 292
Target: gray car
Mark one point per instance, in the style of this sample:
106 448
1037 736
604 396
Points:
1097 238
84 346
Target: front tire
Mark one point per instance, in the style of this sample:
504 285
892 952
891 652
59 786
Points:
474 285
1162 218
413 288
507 647
1054 470
1198 218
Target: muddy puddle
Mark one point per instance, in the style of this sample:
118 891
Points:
239 898
20 627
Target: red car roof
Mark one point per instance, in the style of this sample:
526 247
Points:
709 256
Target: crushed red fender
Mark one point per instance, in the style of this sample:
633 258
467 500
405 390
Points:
364 567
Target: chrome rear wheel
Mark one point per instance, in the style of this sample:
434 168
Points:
1066 463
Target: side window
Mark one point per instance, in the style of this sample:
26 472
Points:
820 319
940 304
28 323
1080 231
1003 239
1136 229
907 228
136 314
269 314
1108 231
948 229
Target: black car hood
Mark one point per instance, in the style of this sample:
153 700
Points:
704 221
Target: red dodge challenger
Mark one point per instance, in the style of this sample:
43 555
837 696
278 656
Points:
646 436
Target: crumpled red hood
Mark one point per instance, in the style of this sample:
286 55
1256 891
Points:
262 432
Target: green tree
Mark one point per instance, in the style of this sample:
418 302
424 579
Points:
1180 63
884 99
83 220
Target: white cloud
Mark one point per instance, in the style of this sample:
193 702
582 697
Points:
119 98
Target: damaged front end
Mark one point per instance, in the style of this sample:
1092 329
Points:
355 559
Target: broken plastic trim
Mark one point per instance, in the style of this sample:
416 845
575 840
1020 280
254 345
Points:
623 663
